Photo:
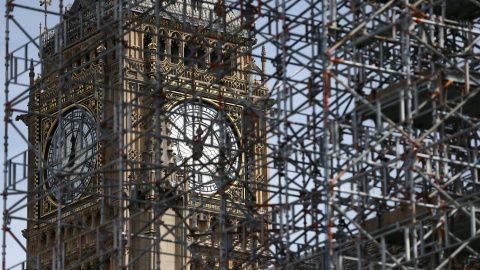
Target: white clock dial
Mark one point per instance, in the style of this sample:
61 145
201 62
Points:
199 134
71 155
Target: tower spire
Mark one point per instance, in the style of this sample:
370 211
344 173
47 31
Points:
264 64
45 3
31 73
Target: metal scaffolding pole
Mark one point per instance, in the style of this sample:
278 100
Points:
205 134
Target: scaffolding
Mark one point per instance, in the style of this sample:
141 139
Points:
353 145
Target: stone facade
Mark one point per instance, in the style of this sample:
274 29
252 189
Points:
129 85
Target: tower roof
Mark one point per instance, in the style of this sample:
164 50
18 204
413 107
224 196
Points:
215 16
210 14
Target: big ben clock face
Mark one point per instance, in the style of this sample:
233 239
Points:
71 155
205 145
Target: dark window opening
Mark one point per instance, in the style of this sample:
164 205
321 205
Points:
175 52
202 59
229 61
196 4
114 55
214 57
233 66
189 54
147 39
43 239
163 48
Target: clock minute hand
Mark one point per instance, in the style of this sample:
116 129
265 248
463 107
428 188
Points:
204 138
209 131
73 140
199 143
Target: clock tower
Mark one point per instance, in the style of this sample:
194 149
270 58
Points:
152 151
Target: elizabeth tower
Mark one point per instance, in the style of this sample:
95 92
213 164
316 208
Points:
149 149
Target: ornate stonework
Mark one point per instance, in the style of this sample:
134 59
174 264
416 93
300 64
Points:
155 83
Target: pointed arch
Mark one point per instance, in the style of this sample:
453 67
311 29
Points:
175 48
148 38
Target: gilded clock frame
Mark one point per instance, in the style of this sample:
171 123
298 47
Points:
46 205
176 98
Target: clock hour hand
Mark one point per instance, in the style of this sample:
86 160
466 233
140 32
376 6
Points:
209 132
73 140
199 142
197 145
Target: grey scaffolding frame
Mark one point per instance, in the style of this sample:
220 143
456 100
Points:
368 147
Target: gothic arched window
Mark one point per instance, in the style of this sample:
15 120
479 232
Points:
114 46
162 47
228 58
214 58
175 51
147 39
189 54
202 58
233 64
87 57
196 4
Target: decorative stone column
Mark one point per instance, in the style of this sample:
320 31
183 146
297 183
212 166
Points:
264 65
153 60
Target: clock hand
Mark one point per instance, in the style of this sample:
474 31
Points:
73 140
198 144
228 144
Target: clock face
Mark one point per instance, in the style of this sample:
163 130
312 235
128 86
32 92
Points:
71 155
205 145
